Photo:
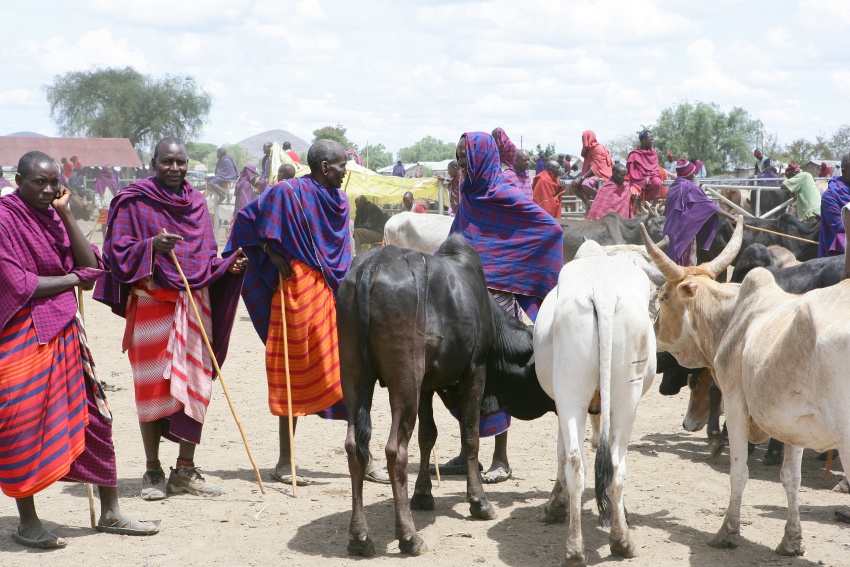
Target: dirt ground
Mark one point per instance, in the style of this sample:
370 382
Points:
676 494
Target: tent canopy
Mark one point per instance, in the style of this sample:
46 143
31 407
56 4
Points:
93 152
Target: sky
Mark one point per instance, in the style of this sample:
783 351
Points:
394 71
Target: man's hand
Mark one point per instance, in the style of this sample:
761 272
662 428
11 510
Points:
280 263
63 197
238 262
165 243
88 286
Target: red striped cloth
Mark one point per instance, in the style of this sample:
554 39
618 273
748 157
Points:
172 369
313 346
43 407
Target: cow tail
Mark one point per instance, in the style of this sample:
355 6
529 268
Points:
604 468
362 415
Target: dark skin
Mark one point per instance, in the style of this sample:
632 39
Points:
329 174
618 173
522 161
41 190
170 165
407 201
500 451
845 217
646 143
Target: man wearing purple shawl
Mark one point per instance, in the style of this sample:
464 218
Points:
832 236
55 423
225 172
244 189
172 371
507 149
521 251
298 230
691 217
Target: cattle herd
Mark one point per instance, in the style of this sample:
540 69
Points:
768 350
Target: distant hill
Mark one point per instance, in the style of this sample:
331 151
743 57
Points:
254 144
27 134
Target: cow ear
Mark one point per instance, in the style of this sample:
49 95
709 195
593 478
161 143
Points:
687 289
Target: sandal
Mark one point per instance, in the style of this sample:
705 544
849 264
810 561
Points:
376 473
842 516
129 525
499 472
40 542
287 479
454 466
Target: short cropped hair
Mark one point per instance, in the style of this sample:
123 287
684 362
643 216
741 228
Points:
322 150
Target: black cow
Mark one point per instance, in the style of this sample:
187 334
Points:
770 199
610 229
417 323
785 224
802 278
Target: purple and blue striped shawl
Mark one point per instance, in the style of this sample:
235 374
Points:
276 218
834 198
507 149
244 189
35 243
139 212
225 169
520 245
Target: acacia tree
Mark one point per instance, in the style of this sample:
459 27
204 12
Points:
378 156
427 149
702 131
123 103
335 133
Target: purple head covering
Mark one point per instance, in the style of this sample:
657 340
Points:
301 220
244 189
35 243
689 214
505 227
139 213
507 149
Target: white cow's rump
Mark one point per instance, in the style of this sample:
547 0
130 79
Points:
421 232
592 332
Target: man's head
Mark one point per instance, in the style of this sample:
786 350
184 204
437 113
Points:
398 162
670 156
792 170
453 169
221 152
327 160
267 148
360 202
687 169
757 154
523 158
460 153
37 179
407 201
287 146
170 162
553 167
64 159
568 157
845 169
618 173
285 171
646 138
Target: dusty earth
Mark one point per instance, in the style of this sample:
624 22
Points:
676 494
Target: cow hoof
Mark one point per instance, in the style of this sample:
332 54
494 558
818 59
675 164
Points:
575 559
553 515
791 547
716 446
482 510
623 548
363 548
422 502
413 545
772 458
724 540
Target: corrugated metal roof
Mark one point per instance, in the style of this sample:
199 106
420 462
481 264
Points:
90 151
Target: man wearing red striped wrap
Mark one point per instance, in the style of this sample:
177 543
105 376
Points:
298 230
54 421
172 370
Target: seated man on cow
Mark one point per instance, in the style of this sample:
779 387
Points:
802 185
368 224
225 173
410 205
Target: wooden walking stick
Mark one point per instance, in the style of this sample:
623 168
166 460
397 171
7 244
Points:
436 464
217 368
828 465
89 488
288 383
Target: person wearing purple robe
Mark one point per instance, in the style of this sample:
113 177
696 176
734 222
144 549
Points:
691 217
398 169
225 173
832 239
55 423
244 188
172 371
264 166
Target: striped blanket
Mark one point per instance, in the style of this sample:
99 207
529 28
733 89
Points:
313 346
172 370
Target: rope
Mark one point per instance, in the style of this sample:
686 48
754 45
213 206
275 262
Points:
781 234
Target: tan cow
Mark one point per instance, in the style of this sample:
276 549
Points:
780 360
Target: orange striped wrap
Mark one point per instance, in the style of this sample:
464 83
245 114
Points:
313 346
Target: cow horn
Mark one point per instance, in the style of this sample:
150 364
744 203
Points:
664 243
724 259
672 272
648 210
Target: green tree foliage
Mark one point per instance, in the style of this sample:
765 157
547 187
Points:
427 149
378 156
236 152
123 103
839 143
548 152
200 151
336 133
702 131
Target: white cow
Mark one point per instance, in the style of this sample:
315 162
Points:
592 332
421 232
